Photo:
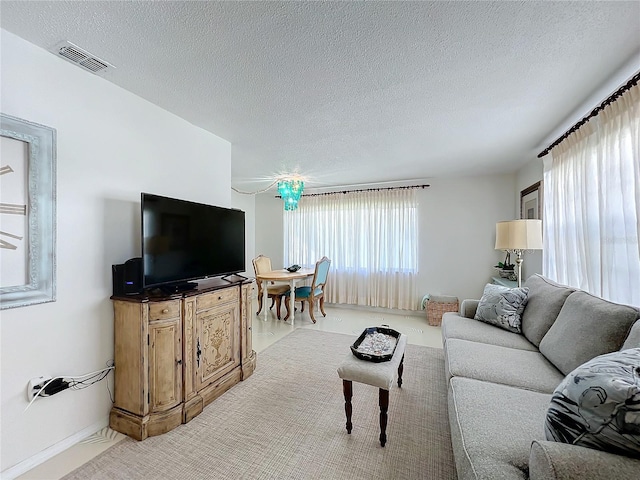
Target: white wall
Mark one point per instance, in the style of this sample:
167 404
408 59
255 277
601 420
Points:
111 145
269 229
529 174
247 203
457 232
615 81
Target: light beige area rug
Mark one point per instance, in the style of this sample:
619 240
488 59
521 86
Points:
287 421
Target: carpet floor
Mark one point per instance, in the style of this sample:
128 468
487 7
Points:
287 421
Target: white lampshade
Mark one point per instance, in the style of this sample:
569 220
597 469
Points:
519 235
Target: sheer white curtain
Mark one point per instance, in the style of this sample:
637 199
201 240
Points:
592 204
371 238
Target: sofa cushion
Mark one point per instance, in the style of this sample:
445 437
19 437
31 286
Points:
633 340
507 366
600 325
468 308
598 405
553 460
502 307
455 326
544 302
492 427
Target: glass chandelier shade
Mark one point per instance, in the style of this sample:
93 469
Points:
290 191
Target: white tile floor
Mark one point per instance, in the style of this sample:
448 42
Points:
343 319
351 320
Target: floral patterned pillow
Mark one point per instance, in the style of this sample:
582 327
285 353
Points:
502 307
598 405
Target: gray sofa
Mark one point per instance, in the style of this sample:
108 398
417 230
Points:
500 384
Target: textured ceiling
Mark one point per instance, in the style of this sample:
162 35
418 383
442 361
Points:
353 92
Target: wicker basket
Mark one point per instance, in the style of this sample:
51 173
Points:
437 306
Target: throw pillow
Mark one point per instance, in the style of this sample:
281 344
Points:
502 307
598 405
587 326
544 302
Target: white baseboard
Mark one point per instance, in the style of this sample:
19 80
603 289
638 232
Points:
395 311
409 313
52 451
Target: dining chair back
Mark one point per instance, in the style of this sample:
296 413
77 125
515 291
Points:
262 264
313 293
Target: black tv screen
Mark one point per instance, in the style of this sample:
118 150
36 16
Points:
184 241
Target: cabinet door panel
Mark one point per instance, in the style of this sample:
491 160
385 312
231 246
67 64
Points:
188 348
130 355
217 343
247 345
165 365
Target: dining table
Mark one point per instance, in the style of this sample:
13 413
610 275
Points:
283 276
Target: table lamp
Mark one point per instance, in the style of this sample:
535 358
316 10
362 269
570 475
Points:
517 236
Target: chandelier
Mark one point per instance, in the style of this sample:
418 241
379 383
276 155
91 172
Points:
290 190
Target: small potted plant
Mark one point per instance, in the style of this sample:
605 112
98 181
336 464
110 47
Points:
506 268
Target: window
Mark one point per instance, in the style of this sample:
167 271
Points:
371 238
592 205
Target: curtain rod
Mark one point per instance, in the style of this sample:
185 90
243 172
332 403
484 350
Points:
612 98
361 190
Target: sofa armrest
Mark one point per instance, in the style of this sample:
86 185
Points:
468 308
562 461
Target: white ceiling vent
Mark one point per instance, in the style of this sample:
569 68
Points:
82 58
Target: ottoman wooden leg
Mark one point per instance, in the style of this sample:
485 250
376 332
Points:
400 370
384 406
347 387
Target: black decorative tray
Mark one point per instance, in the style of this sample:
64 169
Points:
376 344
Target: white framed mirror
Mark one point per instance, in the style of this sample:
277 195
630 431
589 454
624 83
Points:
27 213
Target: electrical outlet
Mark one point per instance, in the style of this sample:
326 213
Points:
35 385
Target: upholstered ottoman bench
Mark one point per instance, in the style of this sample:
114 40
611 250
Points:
379 375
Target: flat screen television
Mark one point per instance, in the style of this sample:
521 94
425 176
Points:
183 241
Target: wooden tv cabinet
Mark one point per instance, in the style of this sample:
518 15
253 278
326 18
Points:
175 354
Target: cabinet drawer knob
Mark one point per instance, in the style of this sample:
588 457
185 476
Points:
220 297
165 310
179 362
